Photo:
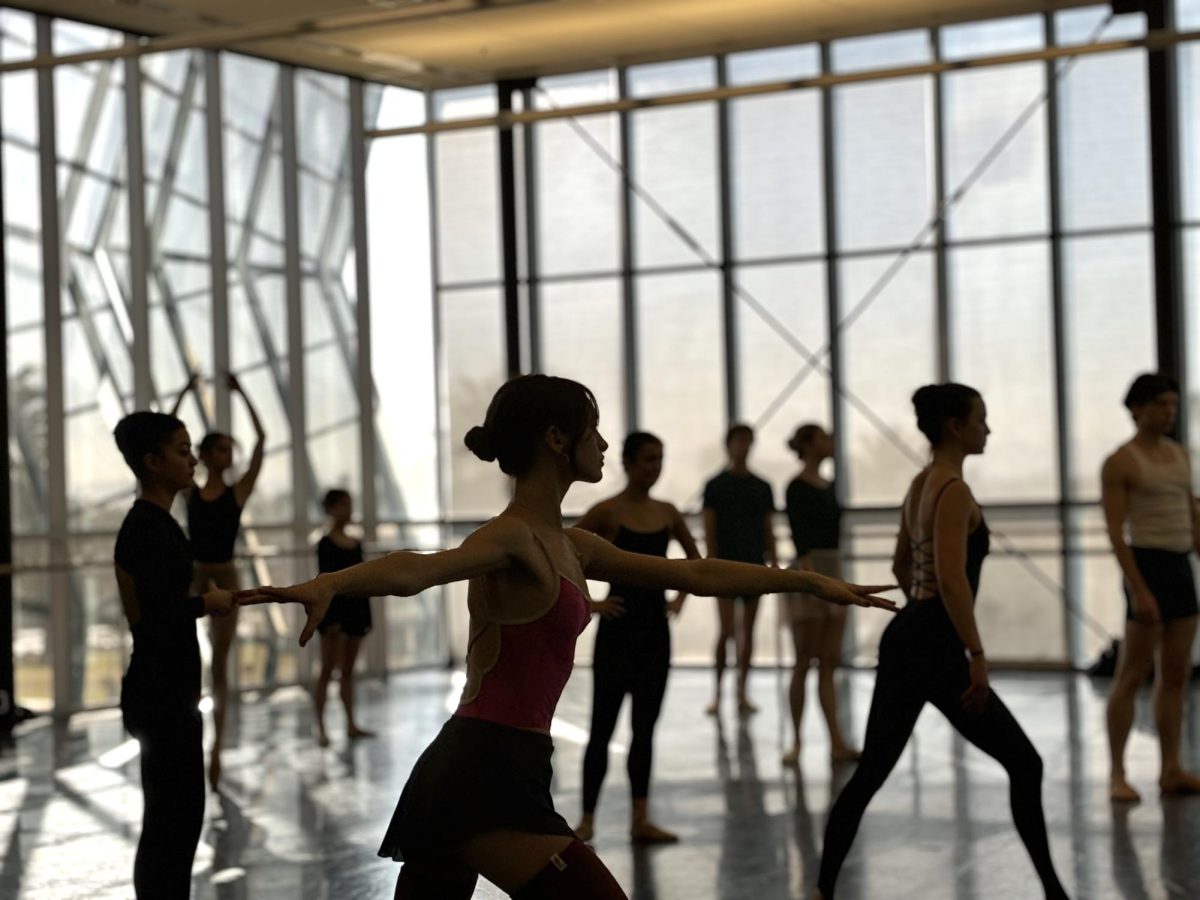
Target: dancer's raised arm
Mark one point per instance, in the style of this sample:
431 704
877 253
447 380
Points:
245 484
494 547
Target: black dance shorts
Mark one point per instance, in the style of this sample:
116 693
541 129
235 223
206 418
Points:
474 778
1169 577
351 614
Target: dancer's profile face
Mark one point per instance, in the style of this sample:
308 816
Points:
1158 415
174 466
589 454
646 467
974 429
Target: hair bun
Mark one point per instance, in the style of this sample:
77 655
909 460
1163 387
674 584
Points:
479 442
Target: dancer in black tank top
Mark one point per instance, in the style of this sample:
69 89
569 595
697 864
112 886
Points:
348 619
214 516
924 653
633 642
162 686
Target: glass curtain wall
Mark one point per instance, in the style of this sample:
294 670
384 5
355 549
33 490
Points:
788 258
206 205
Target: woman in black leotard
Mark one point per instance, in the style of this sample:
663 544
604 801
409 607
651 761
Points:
162 686
214 514
924 653
815 517
633 643
348 619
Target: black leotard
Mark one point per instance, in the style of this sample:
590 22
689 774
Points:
814 515
922 660
632 656
351 614
213 526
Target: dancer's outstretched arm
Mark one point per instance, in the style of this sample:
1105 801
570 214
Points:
498 545
715 577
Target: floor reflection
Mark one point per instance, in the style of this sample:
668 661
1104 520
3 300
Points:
294 821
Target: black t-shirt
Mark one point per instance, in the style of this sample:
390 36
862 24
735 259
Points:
165 665
815 516
741 502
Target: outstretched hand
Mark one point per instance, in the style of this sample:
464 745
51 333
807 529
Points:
844 594
612 608
313 595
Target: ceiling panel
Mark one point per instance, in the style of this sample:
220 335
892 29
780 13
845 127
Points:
437 43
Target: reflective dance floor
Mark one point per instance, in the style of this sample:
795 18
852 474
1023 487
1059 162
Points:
301 823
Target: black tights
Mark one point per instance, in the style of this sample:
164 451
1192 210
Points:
900 693
646 683
172 761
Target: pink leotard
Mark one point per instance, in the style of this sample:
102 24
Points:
534 662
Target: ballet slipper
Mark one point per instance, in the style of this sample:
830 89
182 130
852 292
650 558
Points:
354 733
713 708
792 757
746 708
584 831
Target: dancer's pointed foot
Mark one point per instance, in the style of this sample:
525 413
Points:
1121 791
355 733
792 757
649 833
1179 784
713 708
745 707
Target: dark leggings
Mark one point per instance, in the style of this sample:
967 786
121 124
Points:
645 680
172 760
902 687
574 874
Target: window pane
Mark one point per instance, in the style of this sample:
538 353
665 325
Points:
889 352
1105 141
682 381
1191 391
795 297
672 77
468 206
1189 128
992 37
675 162
578 191
776 164
1002 344
775 64
881 51
472 359
257 296
1019 609
980 107
1109 332
884 147
582 338
402 332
